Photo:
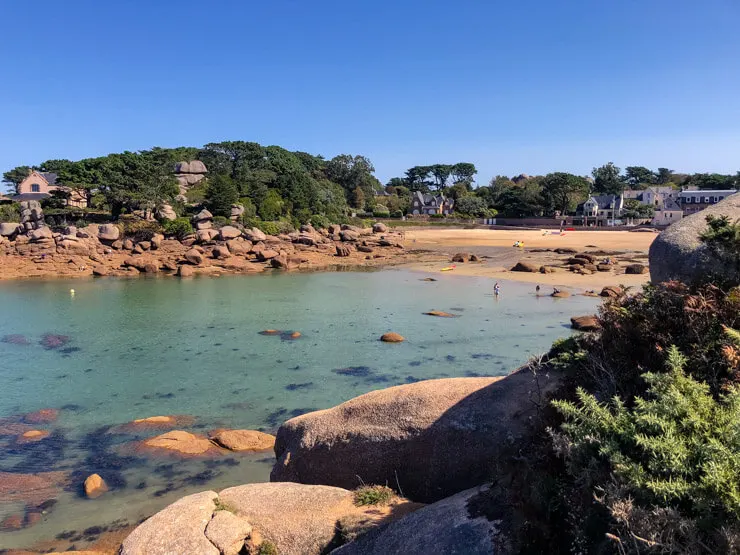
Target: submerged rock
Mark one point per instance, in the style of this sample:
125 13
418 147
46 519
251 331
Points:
15 339
95 486
41 416
51 341
31 489
243 440
440 314
392 337
432 438
32 436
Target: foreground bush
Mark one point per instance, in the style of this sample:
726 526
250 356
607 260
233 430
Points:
638 330
667 469
635 455
178 228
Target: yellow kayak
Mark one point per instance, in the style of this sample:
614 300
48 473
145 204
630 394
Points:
447 269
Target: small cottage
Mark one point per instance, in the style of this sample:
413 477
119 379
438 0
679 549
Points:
430 204
41 185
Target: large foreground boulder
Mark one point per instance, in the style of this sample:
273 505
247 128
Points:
678 253
447 526
430 439
294 518
179 528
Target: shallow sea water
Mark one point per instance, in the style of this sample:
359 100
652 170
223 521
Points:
145 347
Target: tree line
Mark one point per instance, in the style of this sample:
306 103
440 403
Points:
274 183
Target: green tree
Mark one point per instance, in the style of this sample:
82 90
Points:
417 178
638 175
14 177
395 182
463 172
472 206
221 194
712 181
358 198
664 176
561 192
607 180
272 206
634 209
440 173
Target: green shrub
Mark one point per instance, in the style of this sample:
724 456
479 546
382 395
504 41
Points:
667 468
136 229
381 213
436 216
10 213
250 210
267 548
270 228
221 505
178 228
319 221
221 221
374 495
397 214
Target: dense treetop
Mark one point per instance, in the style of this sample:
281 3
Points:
275 183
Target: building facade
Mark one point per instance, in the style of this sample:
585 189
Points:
430 204
695 201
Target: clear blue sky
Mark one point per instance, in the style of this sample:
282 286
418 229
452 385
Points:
513 86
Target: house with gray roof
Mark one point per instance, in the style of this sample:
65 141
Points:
424 203
600 210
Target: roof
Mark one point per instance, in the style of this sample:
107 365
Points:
30 196
426 199
670 204
51 177
712 191
604 201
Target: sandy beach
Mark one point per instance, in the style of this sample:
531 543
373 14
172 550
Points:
494 247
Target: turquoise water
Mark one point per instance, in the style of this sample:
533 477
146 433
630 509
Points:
145 347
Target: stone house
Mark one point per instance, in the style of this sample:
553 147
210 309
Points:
40 185
422 203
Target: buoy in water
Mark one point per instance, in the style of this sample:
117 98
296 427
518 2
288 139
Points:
72 292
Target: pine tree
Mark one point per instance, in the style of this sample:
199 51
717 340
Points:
221 194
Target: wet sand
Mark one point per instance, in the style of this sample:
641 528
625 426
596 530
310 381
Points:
494 247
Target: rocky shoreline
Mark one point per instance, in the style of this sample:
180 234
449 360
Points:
103 250
436 442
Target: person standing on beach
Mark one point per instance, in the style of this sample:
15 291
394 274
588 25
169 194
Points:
496 289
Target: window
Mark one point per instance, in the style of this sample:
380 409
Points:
707 200
35 188
716 199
